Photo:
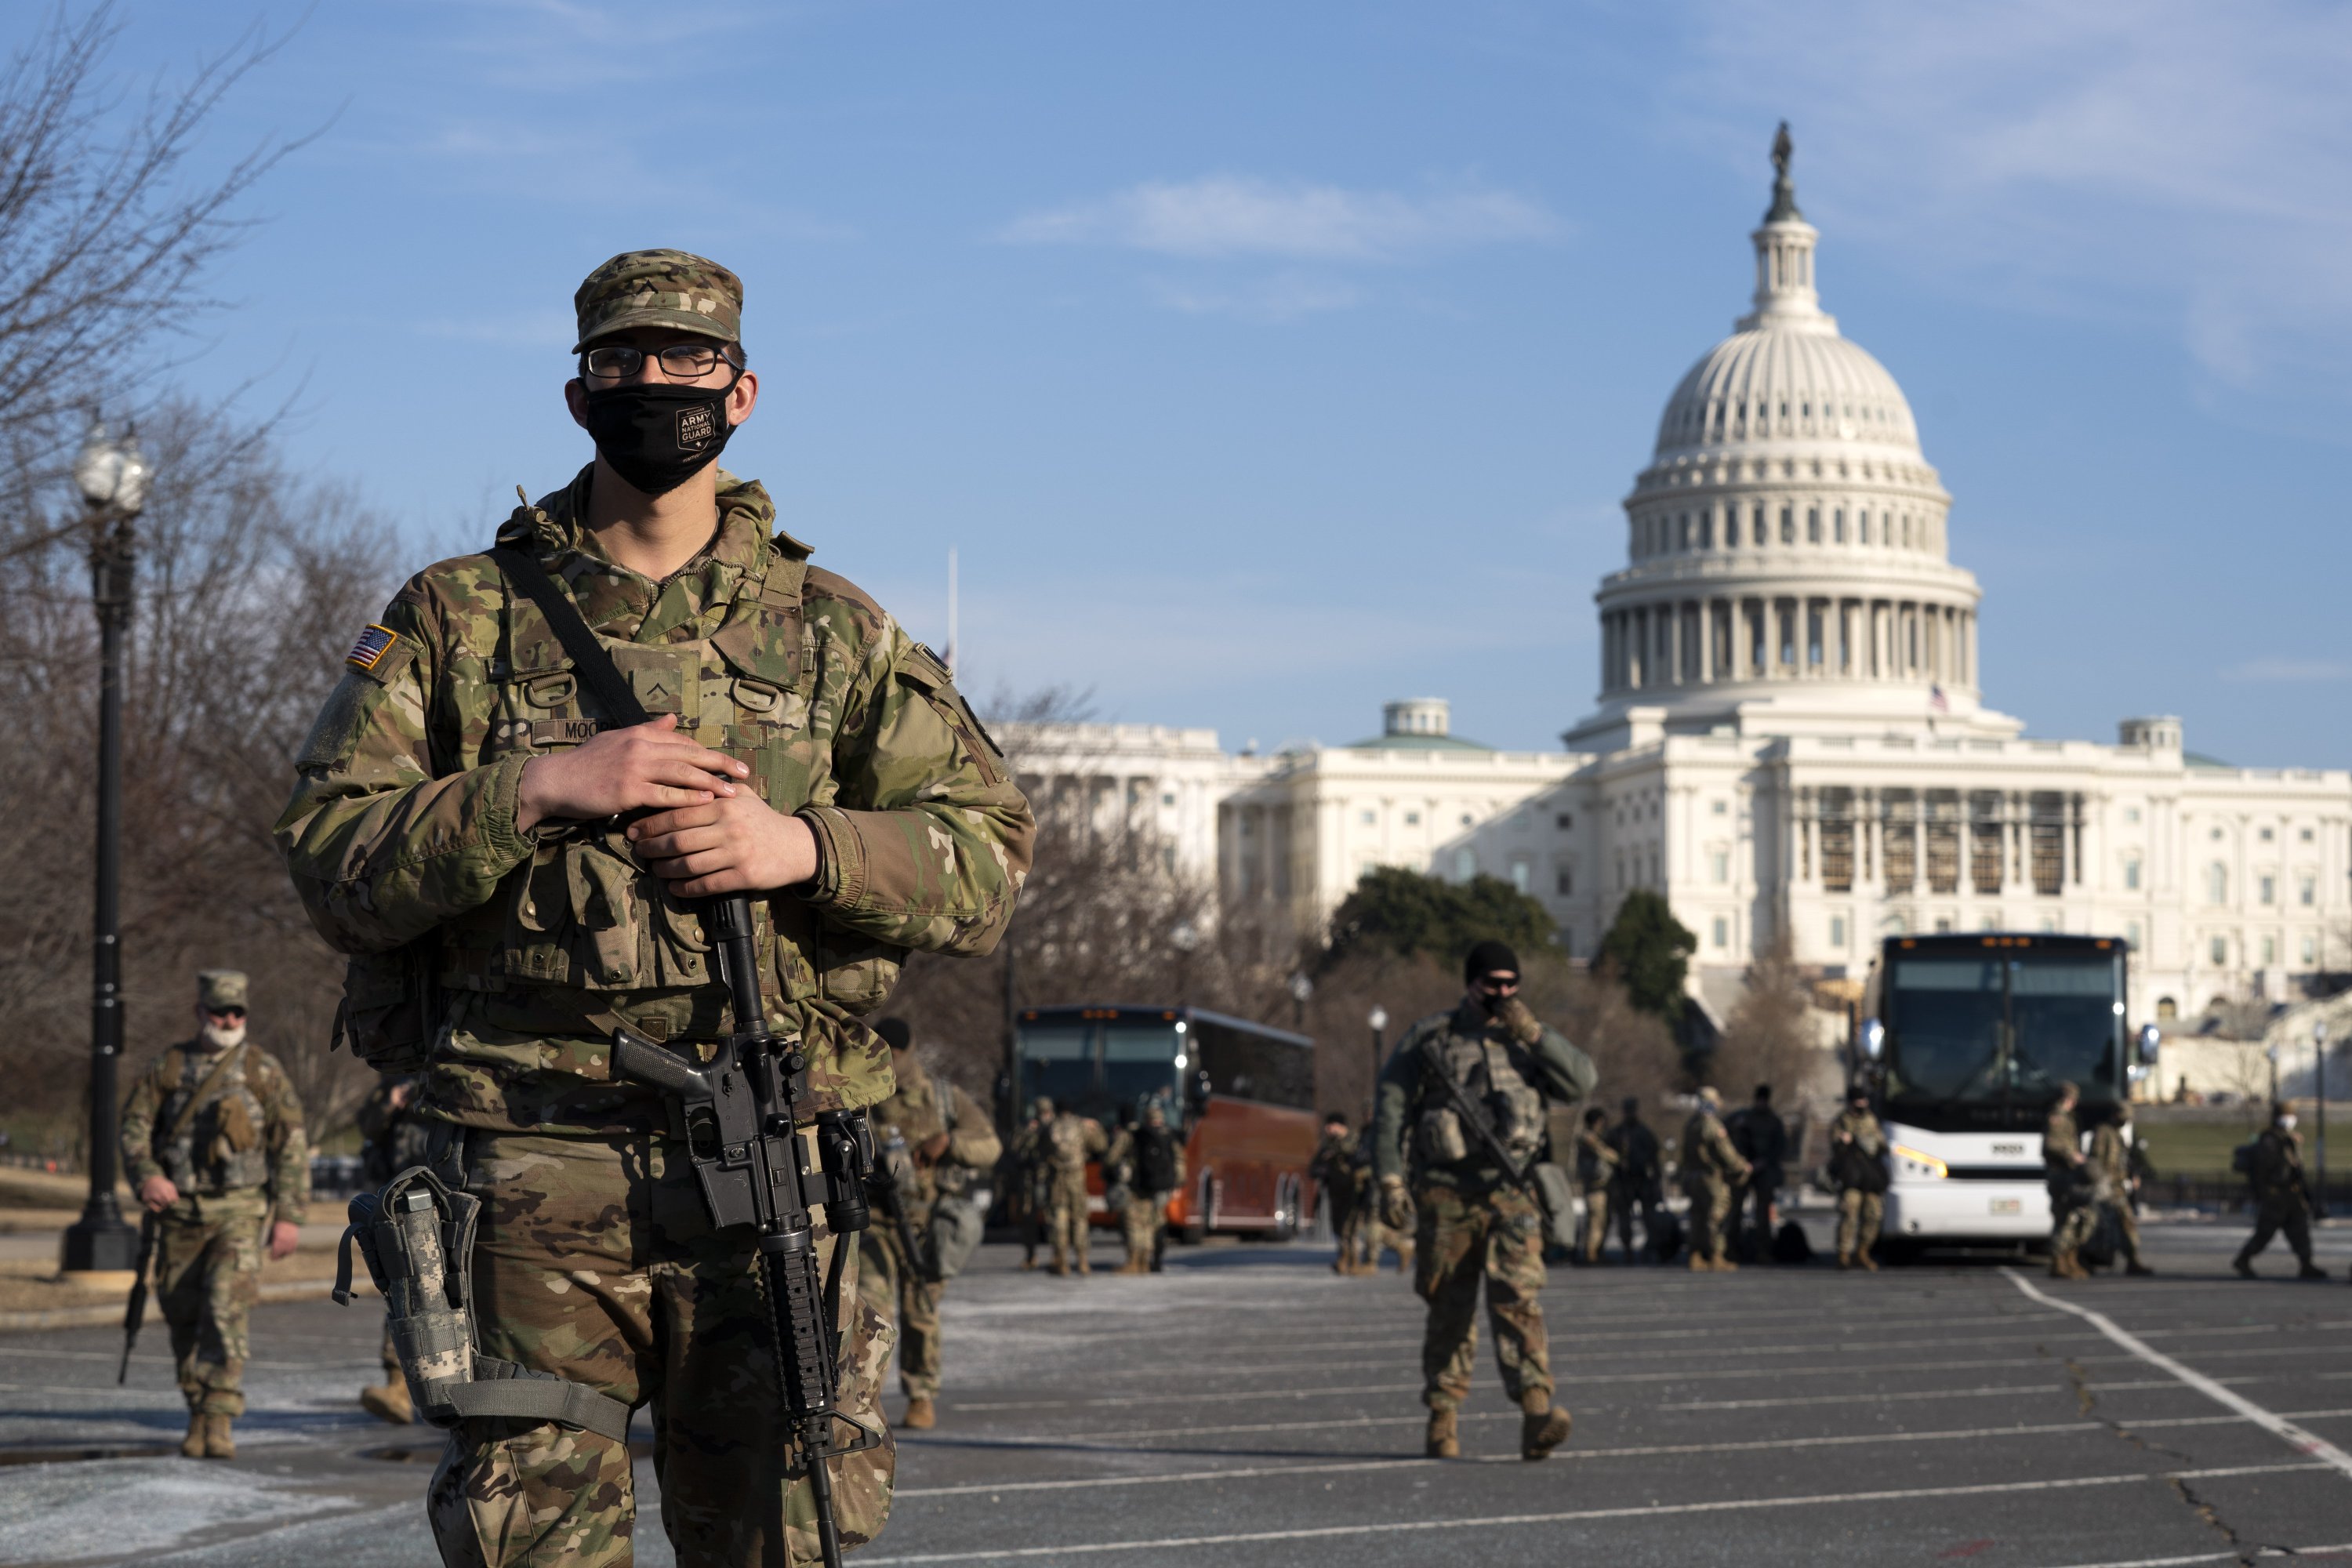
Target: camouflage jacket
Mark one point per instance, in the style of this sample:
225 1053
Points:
392 1136
1066 1142
1863 1128
1596 1160
402 826
245 1134
1709 1156
1128 1155
1509 1065
2061 1138
921 1107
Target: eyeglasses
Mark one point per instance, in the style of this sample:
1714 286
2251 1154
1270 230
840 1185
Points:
1499 981
683 362
229 1013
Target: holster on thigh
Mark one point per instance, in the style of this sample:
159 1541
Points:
417 1238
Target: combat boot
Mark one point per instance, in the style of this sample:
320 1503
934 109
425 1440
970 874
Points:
2311 1270
2244 1266
920 1416
389 1401
1444 1439
1543 1426
1865 1262
1724 1265
1845 1260
1084 1268
218 1444
1699 1265
2137 1269
2063 1265
192 1447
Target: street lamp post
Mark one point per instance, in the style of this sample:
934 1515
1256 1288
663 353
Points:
113 477
1184 939
1301 988
1379 1021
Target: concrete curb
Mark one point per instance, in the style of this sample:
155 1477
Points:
99 1316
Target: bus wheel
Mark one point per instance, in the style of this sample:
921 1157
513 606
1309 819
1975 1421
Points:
1286 1211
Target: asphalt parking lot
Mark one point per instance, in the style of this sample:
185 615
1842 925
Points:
1249 1408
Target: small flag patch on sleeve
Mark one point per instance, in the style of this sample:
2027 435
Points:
374 642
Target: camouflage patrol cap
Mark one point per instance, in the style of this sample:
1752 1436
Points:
659 289
220 988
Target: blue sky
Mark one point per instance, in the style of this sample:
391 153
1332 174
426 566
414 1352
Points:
1267 361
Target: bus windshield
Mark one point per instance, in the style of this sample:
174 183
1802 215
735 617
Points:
2003 1025
1140 1065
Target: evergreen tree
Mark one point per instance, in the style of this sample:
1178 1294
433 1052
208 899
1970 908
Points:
1393 910
1650 951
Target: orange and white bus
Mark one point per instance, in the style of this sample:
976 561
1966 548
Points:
1241 1095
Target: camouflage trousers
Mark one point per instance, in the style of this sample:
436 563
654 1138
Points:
2072 1217
1859 1214
2285 1212
2126 1228
1462 1238
595 1260
1141 1219
207 1278
1066 1219
1596 1224
1710 1211
889 1285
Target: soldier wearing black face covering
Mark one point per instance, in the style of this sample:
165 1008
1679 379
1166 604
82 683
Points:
2282 1203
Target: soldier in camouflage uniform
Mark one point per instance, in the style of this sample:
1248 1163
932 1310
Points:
1857 1156
1712 1172
1474 1225
949 1141
2282 1203
212 1139
1333 1170
1154 1161
522 873
1029 1177
2067 1177
1637 1184
1596 1162
2111 1150
393 1139
1066 1142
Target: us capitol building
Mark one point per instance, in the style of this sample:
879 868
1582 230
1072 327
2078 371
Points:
1790 735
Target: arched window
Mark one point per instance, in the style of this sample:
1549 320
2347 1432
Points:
2216 883
2167 1008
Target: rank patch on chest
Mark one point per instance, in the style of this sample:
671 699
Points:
374 642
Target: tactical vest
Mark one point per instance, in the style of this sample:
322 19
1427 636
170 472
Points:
225 1146
921 1110
1489 1072
582 916
1155 1160
1065 1140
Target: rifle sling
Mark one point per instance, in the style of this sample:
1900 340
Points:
207 1092
1489 1141
589 656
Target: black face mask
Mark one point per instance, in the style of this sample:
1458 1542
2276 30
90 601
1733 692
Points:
658 435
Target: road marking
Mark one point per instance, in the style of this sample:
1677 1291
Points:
1654 1510
2237 1556
1088 1483
2278 1426
1905 1398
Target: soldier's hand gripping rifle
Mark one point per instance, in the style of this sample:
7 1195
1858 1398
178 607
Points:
134 1311
1475 1122
755 1170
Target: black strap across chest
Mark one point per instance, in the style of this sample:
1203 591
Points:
589 656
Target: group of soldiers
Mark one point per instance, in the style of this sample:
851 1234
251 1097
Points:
1342 1172
2089 1191
1142 1168
1727 1165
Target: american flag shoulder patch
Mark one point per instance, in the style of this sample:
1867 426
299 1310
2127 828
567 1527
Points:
374 642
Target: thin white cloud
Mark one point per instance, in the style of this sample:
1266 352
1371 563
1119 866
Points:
1225 216
1284 297
2289 670
2165 158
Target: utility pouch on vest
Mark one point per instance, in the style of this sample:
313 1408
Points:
417 1238
391 1008
1442 1139
1559 1200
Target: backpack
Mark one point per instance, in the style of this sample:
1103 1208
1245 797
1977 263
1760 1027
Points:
1790 1244
2241 1158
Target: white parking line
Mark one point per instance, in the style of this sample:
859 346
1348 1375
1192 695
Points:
2295 1437
1655 1510
2238 1556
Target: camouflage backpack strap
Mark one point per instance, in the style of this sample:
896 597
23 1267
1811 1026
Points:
208 1088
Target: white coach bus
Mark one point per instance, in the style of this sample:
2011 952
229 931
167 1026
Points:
1966 1042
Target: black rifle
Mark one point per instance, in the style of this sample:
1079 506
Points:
738 1122
135 1312
884 1186
738 1112
1474 1121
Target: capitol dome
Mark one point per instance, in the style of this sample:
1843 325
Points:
1786 553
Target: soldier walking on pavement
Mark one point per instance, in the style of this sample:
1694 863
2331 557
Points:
1858 1166
212 1139
521 868
2282 1203
2110 1150
1762 1140
1332 1170
1595 1161
949 1142
1472 1224
1712 1171
1067 1141
1029 1177
1638 1183
1154 1163
2072 1207
393 1139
